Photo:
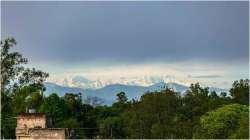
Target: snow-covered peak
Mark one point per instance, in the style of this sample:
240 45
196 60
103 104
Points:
85 83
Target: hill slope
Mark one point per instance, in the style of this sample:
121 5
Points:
108 93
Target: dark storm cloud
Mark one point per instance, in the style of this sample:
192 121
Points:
128 31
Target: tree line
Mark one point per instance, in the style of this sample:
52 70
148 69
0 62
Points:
159 114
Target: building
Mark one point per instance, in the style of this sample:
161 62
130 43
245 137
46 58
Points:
36 126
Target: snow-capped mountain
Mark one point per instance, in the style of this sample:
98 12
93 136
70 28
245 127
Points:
108 93
82 82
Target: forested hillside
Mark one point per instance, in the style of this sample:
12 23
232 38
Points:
160 114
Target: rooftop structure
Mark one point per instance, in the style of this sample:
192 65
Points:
35 126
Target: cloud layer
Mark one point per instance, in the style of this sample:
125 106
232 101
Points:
74 32
207 40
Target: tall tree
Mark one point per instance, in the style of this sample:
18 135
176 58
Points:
11 63
153 116
121 97
13 73
54 107
240 91
14 76
73 104
24 98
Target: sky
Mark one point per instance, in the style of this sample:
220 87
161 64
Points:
192 41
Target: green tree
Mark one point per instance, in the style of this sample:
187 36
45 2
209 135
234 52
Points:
24 98
12 69
73 103
225 122
240 91
8 121
54 107
11 63
121 103
156 110
87 119
15 76
73 126
112 127
195 102
69 123
121 97
194 105
32 77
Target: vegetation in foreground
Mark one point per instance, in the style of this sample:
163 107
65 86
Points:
163 114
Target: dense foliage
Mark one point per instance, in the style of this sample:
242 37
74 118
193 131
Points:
160 114
229 121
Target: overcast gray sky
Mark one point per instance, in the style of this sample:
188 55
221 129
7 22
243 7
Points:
62 37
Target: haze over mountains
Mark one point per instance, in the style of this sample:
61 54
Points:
107 90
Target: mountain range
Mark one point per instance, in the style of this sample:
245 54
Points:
108 93
85 83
